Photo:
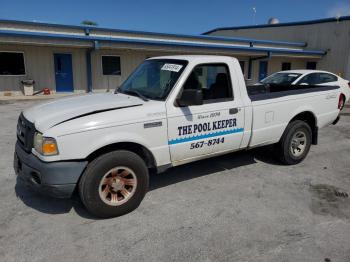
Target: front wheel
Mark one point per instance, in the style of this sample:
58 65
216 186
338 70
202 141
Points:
295 143
114 184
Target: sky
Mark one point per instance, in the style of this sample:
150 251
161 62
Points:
176 16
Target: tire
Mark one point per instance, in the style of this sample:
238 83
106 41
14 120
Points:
295 143
114 184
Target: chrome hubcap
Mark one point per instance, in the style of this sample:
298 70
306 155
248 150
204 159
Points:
298 144
117 186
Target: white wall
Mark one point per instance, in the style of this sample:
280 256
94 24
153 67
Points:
39 65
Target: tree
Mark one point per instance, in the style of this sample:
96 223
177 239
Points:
89 22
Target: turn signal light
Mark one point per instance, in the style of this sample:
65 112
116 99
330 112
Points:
49 148
46 146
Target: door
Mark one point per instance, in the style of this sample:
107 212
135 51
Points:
262 70
213 127
63 72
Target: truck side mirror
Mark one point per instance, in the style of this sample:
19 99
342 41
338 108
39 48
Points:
190 97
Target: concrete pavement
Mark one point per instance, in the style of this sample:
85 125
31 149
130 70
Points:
243 206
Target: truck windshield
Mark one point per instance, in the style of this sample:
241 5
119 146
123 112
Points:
153 79
281 78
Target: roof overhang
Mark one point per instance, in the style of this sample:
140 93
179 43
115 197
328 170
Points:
60 27
44 38
309 22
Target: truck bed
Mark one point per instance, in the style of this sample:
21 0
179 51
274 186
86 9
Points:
264 92
271 115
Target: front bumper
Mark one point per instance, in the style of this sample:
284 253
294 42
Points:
57 179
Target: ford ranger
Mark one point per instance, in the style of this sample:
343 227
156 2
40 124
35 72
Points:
170 111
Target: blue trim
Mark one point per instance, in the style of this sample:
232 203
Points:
310 22
89 29
199 137
160 43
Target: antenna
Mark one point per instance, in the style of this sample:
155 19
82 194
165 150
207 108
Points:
254 14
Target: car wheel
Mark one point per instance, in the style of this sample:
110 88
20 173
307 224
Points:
295 143
114 184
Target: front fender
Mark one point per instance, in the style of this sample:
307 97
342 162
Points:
80 145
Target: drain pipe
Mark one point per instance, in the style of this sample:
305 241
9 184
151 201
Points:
250 63
89 70
88 66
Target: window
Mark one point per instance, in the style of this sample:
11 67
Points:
12 63
154 78
213 79
286 66
318 78
281 78
111 65
242 64
327 78
311 65
310 79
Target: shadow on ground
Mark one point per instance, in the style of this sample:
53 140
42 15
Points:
174 175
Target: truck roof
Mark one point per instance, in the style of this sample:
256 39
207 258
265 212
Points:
198 58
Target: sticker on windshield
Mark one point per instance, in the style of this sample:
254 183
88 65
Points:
293 75
172 67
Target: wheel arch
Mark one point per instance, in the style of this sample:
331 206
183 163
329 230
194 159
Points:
134 147
345 98
309 118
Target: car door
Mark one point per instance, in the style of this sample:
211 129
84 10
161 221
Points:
216 125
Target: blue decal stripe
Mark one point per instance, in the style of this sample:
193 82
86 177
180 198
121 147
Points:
193 138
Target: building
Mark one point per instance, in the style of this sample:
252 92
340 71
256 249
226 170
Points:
83 59
331 35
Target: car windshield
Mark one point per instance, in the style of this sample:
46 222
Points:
153 79
281 78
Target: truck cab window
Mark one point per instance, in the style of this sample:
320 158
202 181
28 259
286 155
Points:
214 81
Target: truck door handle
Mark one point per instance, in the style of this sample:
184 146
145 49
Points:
233 111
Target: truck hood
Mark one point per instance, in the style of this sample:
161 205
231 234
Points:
47 115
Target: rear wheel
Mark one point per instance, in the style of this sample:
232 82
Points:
114 184
295 143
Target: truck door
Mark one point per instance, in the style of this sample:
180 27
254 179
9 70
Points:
213 127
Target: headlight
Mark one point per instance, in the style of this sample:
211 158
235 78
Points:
46 146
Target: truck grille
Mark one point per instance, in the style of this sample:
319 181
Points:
25 133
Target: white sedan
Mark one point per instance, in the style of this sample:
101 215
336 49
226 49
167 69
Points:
310 77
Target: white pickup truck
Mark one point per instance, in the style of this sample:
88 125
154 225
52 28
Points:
170 111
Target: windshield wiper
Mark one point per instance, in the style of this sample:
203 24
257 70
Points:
135 92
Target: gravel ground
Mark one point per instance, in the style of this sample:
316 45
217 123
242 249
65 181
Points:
239 207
